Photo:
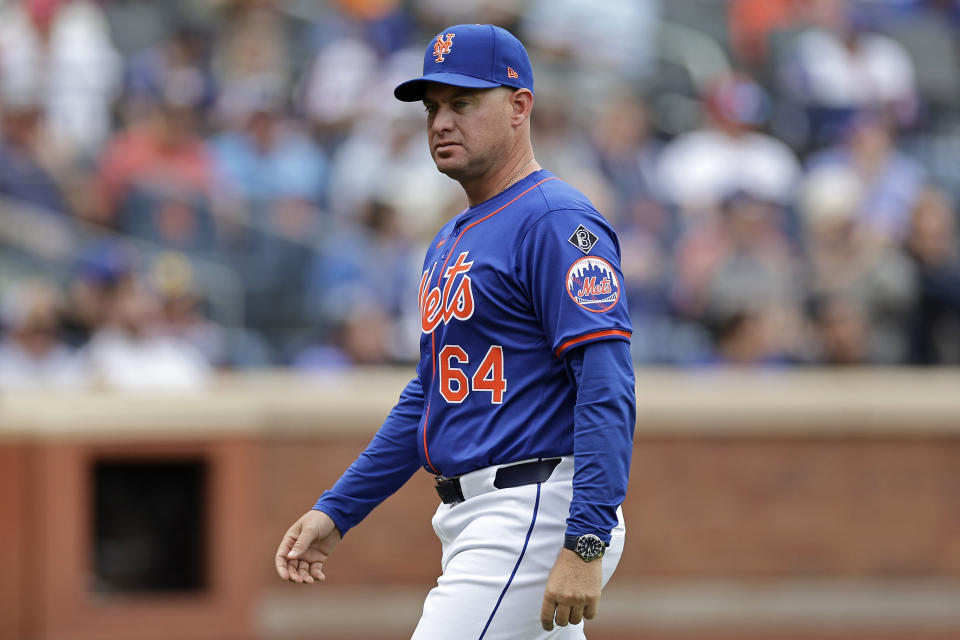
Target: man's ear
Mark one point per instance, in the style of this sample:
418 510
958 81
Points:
521 104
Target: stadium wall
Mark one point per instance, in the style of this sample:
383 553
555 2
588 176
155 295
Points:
800 504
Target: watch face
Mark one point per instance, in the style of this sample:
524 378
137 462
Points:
589 547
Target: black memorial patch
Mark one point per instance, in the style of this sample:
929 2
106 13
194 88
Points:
583 239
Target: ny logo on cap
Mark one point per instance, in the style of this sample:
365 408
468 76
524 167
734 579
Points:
442 47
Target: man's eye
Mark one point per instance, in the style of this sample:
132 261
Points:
461 104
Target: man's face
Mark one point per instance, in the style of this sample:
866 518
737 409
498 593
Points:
468 129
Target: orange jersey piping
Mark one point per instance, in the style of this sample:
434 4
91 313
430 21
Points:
590 336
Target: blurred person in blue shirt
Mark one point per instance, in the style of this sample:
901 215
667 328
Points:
183 57
934 251
272 181
374 266
890 180
24 172
262 156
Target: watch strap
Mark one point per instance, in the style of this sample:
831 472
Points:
573 543
570 542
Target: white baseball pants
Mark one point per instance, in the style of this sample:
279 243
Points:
498 549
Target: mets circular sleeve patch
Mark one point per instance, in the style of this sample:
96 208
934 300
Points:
592 283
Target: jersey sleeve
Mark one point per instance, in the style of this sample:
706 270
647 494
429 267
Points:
569 264
383 467
603 424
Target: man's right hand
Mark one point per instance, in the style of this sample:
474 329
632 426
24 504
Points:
305 547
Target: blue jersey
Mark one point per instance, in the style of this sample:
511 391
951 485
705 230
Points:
508 286
511 289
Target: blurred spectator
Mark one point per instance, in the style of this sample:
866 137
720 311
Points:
384 23
272 179
375 267
625 154
23 174
933 249
157 177
747 338
727 154
102 267
842 331
850 273
616 36
310 186
60 52
181 308
262 156
751 23
359 338
384 160
257 38
560 138
840 65
737 276
181 60
31 354
889 179
136 25
337 84
133 352
433 15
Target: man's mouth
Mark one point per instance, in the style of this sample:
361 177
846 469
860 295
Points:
444 146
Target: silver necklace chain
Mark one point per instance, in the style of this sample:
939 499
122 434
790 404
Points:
517 174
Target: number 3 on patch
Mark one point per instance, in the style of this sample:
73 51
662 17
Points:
454 385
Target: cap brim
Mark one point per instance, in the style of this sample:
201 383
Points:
413 90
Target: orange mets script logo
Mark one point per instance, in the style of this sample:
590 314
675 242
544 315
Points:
442 47
455 300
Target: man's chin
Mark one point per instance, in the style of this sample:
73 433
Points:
453 170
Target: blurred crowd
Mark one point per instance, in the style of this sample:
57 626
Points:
191 185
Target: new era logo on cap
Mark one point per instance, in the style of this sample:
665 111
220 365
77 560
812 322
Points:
474 56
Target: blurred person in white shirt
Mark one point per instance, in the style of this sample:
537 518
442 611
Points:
727 154
32 356
840 64
133 352
61 52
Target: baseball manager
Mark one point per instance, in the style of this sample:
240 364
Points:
523 404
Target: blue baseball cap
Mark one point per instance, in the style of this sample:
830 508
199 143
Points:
477 56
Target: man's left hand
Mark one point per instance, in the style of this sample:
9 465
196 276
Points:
573 590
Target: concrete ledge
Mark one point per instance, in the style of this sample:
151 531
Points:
798 608
716 402
811 605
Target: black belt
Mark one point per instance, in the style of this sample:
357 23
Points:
514 475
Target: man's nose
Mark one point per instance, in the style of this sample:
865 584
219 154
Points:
442 120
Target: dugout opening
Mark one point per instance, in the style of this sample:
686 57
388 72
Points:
149 525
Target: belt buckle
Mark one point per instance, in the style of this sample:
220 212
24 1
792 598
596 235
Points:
449 490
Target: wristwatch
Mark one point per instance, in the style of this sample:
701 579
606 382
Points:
588 546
